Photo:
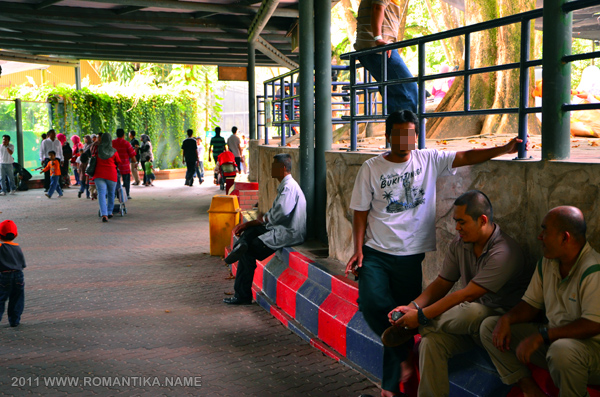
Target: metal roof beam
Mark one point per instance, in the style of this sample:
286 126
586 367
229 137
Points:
95 16
45 3
199 7
20 26
91 48
275 54
127 10
267 8
43 60
199 44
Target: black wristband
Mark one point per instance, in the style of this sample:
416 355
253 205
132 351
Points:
423 320
543 330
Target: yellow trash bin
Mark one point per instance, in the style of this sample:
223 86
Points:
223 215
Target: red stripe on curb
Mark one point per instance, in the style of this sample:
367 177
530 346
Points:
326 350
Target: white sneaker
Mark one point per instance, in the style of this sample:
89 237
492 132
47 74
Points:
2 194
13 192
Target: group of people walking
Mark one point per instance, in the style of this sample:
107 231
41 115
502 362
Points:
99 163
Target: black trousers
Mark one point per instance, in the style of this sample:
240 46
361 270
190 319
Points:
46 175
191 170
257 250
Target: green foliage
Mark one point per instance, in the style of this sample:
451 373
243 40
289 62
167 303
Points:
580 46
163 115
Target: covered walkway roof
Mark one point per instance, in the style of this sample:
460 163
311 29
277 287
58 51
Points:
209 32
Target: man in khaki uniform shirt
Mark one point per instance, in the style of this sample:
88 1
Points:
493 275
566 285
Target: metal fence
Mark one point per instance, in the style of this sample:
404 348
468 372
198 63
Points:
25 122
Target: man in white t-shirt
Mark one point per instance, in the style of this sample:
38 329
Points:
6 166
235 147
394 225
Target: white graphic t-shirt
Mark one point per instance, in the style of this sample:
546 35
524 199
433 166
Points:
400 198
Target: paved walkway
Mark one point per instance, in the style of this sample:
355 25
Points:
133 307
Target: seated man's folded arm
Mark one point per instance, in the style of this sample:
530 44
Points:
468 294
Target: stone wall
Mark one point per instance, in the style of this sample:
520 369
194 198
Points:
521 193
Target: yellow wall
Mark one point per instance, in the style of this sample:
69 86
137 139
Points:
53 75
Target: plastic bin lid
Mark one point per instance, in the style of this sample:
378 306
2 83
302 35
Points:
224 204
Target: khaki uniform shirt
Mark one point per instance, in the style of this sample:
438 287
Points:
569 299
389 27
501 269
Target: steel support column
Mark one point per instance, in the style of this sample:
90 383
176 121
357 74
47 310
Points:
78 77
252 89
323 127
307 117
556 142
19 120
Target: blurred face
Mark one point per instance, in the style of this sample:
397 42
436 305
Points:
52 135
277 169
130 136
52 156
5 141
551 238
402 138
468 229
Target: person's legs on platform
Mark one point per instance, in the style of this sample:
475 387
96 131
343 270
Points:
135 173
399 96
16 299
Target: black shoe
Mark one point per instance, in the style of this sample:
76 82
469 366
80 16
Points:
45 190
236 253
79 194
396 336
110 216
104 219
14 325
236 301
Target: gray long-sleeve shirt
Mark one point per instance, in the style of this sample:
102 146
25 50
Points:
286 220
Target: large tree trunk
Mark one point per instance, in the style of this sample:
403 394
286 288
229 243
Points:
490 90
453 47
350 18
483 53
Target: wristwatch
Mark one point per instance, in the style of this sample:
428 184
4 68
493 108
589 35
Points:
543 330
422 319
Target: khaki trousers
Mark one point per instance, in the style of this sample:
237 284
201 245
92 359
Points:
453 332
572 363
134 172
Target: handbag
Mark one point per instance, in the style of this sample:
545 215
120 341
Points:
91 167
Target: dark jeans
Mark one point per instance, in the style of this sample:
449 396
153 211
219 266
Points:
126 182
12 288
191 170
46 175
399 96
387 281
238 162
84 187
64 177
257 250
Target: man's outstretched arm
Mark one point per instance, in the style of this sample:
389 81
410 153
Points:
476 156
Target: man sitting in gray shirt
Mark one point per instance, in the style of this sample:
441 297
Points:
493 275
283 225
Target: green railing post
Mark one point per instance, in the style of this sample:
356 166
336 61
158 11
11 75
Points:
556 75
323 132
19 122
307 103
251 90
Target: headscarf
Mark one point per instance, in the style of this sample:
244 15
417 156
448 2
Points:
145 138
105 149
87 142
75 139
62 138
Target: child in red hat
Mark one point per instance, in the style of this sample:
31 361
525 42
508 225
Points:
12 284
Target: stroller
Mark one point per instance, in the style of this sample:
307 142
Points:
121 199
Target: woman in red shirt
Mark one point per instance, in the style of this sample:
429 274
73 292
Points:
105 176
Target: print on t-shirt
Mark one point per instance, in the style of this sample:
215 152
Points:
405 197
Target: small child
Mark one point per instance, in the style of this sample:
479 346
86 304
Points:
12 284
149 174
54 167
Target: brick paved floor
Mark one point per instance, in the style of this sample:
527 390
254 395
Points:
138 298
